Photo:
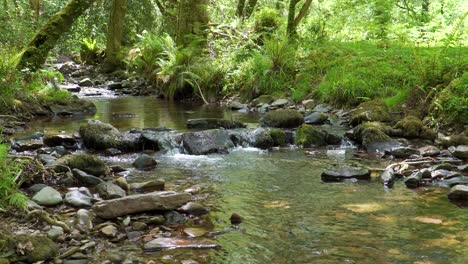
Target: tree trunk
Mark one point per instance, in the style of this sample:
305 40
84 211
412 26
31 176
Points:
35 54
192 21
291 29
115 32
240 8
303 12
250 8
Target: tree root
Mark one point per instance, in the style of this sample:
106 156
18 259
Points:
42 215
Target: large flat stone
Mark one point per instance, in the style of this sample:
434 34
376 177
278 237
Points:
140 203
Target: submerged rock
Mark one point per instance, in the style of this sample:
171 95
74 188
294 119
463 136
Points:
154 185
173 243
86 82
282 119
388 178
414 180
145 162
47 196
345 173
84 162
307 136
211 123
140 203
207 142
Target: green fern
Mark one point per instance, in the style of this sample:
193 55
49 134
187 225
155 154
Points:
10 196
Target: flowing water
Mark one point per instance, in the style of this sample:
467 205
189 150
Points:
290 216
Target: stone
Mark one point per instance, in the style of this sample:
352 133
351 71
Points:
102 136
122 183
463 168
48 196
162 243
174 218
140 203
109 190
282 119
308 104
262 99
157 220
117 169
139 226
86 178
38 249
109 231
315 118
345 173
429 151
194 209
460 152
84 162
461 180
413 127
195 231
55 232
47 160
112 152
66 141
262 139
145 162
79 198
207 142
236 219
458 193
86 82
27 145
236 105
307 136
322 108
212 123
36 187
84 219
74 107
153 185
57 151
374 136
414 180
371 111
388 178
403 152
278 103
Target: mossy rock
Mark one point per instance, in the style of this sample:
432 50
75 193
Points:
307 135
84 162
454 140
279 137
262 99
34 248
374 136
99 136
370 111
282 119
413 127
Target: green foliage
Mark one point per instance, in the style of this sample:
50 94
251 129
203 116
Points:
9 184
267 20
89 50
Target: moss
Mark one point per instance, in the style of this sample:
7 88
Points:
413 127
283 119
279 137
262 99
370 111
41 248
100 136
369 133
455 140
307 135
87 163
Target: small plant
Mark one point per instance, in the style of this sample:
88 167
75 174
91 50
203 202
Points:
10 196
89 50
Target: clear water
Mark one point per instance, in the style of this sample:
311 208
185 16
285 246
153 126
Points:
290 215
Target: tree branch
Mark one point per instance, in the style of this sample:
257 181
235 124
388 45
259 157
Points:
302 12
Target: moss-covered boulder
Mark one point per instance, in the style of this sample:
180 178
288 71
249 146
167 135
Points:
374 136
24 248
84 162
279 137
370 111
101 136
262 99
307 135
454 140
413 127
282 119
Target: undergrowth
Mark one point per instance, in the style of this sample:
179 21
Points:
10 196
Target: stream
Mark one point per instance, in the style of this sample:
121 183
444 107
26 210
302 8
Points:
290 215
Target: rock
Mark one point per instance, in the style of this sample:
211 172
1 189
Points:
145 162
36 187
315 118
157 220
236 219
461 180
307 136
140 203
108 190
55 232
86 82
34 248
374 136
114 86
84 219
55 151
308 104
371 111
429 151
109 231
463 168
153 185
194 209
403 152
459 193
278 103
236 105
207 142
122 183
117 169
66 141
322 108
412 127
162 243
279 137
139 226
79 198
414 180
84 162
454 140
174 218
262 139
211 123
262 99
442 166
48 196
282 119
460 152
345 173
47 160
74 107
112 152
388 178
85 178
26 145
101 136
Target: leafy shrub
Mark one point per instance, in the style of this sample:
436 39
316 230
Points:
89 51
9 193
267 20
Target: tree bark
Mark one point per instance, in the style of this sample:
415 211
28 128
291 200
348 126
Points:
302 12
192 21
36 52
250 8
240 8
115 32
291 29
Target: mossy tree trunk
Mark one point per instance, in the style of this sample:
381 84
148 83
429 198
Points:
249 8
294 20
36 52
240 8
115 32
192 21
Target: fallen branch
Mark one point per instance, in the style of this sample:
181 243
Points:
42 215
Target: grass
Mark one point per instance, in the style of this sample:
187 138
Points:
10 196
